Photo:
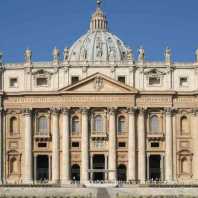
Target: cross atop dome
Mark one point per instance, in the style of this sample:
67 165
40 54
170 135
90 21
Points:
99 2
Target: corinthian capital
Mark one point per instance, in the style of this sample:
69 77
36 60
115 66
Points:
84 110
195 111
142 110
65 111
169 111
27 112
112 110
54 111
132 110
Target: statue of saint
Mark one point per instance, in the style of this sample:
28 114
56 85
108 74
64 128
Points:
141 54
167 55
56 54
28 55
1 57
66 54
129 54
196 56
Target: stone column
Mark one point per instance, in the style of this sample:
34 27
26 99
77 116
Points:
131 146
141 147
55 147
27 179
169 147
194 128
1 147
65 148
84 147
112 145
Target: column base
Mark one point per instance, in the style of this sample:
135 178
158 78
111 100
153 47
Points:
65 182
57 181
28 181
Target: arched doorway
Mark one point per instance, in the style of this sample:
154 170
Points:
98 167
75 172
155 167
42 167
121 173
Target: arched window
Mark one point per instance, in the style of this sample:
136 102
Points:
43 125
121 124
98 123
75 125
13 126
184 125
154 124
13 166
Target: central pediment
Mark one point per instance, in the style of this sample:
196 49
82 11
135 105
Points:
98 83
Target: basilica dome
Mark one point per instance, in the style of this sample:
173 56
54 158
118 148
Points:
98 44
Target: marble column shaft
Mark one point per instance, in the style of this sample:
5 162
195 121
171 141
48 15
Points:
28 148
131 146
112 145
169 147
84 147
65 148
55 147
141 147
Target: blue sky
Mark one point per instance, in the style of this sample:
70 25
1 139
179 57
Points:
43 24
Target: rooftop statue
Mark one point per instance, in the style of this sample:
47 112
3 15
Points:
66 54
28 56
167 55
56 54
141 54
196 56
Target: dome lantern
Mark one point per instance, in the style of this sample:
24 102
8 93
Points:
98 20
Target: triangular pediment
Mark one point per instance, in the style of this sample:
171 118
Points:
98 83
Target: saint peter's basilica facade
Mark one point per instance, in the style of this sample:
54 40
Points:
98 114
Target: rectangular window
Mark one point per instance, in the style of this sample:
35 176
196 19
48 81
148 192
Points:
154 81
122 79
42 144
121 144
13 82
74 79
75 145
42 82
183 81
155 144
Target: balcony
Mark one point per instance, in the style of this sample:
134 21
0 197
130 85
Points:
42 135
155 136
99 135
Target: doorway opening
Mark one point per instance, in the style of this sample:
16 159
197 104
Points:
121 173
75 172
155 167
99 167
42 168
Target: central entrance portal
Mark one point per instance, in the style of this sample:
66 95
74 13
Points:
42 168
99 167
155 167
